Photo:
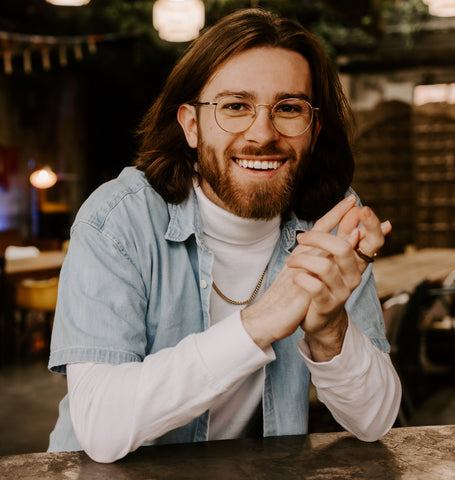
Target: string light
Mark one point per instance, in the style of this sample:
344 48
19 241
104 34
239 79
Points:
29 45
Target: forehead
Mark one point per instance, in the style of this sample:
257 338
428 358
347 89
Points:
262 72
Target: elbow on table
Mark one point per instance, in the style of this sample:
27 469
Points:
100 445
103 451
383 421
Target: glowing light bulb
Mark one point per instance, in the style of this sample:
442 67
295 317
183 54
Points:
43 178
68 3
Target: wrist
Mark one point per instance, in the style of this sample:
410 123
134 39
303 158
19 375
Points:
254 327
328 342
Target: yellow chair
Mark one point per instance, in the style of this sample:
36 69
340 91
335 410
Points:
39 297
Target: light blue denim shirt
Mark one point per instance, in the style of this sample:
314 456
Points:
135 281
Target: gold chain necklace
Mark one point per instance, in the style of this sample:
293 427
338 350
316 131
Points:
234 302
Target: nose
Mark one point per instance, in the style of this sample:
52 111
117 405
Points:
262 130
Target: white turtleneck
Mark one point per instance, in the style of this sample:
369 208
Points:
242 249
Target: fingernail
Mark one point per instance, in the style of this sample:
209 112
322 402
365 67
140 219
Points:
385 226
350 198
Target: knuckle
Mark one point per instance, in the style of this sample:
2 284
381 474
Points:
319 289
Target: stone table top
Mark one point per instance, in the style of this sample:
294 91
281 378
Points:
417 453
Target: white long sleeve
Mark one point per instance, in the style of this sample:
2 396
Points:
359 386
116 408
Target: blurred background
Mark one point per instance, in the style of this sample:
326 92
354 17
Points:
74 84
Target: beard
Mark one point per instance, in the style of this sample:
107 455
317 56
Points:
264 199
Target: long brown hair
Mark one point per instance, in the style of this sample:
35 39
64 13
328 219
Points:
168 161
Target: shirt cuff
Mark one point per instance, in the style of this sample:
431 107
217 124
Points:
229 353
352 362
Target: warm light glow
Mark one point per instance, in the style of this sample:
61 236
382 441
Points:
43 178
438 93
178 20
69 3
441 8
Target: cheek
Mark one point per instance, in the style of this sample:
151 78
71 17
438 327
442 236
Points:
219 141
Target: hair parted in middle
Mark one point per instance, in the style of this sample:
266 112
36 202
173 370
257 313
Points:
168 161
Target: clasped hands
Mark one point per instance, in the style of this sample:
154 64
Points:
318 278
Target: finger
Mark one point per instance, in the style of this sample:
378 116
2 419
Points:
371 231
333 217
315 288
386 227
353 238
323 282
326 242
338 254
349 222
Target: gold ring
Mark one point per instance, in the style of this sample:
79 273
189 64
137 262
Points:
364 256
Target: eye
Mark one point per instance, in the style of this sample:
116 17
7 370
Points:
235 106
289 108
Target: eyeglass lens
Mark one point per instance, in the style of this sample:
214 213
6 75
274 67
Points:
291 116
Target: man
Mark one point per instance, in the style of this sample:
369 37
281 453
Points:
190 279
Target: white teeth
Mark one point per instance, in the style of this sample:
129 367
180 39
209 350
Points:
258 165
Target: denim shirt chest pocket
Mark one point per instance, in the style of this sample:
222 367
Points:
175 309
182 276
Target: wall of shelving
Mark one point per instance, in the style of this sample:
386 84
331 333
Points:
405 170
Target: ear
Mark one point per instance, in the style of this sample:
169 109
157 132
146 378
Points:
316 129
186 116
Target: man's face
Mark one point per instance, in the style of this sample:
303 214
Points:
262 189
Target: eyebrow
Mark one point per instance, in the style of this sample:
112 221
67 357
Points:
252 96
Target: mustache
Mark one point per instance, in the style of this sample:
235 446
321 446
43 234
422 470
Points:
250 150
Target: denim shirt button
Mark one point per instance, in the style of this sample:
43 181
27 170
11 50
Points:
203 284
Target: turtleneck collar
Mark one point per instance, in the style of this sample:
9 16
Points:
222 225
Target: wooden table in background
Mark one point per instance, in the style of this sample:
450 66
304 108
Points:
399 272
46 264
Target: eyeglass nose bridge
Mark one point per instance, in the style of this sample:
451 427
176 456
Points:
255 114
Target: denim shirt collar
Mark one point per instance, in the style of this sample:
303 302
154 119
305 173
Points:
185 220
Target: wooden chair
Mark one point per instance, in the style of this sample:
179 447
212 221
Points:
403 315
35 300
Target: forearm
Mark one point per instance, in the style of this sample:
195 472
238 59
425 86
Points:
360 386
115 409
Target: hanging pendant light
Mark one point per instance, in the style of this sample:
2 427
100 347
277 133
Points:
43 178
69 3
441 8
178 20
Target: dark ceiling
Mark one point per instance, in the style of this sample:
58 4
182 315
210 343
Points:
36 14
355 11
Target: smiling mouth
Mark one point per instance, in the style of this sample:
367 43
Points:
259 164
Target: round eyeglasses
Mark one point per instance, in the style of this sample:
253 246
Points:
235 114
